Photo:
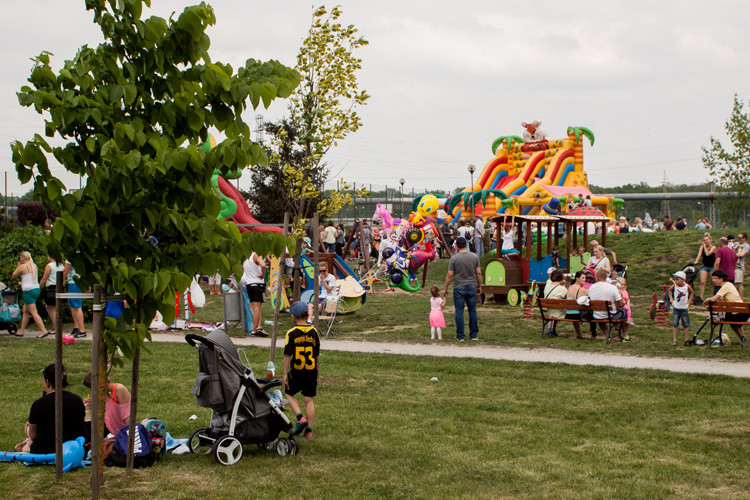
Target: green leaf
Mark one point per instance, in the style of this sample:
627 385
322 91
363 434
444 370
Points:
130 92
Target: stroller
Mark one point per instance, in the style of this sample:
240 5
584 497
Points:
10 311
243 412
691 272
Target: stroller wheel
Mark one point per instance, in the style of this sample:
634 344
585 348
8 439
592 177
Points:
228 450
688 343
269 446
283 446
12 328
293 446
199 444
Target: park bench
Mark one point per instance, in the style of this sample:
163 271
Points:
717 316
594 305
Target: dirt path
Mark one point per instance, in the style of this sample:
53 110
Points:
541 355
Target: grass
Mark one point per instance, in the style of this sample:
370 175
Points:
385 430
651 258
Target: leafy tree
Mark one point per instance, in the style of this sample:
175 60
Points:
33 213
134 111
27 238
730 167
323 111
269 194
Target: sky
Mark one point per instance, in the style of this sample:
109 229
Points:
652 80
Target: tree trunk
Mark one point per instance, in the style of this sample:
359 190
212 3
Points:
134 400
98 393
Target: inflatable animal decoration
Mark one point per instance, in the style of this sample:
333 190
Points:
387 223
428 206
72 455
534 137
533 133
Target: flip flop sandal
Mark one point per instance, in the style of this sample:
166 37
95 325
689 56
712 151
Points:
19 335
46 334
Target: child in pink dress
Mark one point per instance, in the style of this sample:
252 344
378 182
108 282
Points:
622 286
437 320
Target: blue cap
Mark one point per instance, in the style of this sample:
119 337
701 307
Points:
298 309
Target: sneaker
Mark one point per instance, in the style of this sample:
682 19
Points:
260 333
475 338
79 334
74 332
301 426
552 334
743 342
626 338
460 340
308 433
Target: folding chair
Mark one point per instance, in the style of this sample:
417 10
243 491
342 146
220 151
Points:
329 313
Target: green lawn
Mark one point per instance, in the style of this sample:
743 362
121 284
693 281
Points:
385 430
485 430
651 258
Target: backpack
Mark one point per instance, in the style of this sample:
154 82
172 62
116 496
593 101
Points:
143 455
157 431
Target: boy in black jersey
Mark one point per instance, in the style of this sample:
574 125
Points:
301 367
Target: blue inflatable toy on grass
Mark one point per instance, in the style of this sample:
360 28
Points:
72 456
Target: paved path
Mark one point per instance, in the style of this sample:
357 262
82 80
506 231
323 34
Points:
471 350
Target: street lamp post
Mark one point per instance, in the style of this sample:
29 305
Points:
471 169
401 181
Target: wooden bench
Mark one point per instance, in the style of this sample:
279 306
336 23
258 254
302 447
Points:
572 304
717 316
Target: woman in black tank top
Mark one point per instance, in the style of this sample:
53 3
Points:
707 257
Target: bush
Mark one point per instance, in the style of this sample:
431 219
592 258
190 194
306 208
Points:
29 238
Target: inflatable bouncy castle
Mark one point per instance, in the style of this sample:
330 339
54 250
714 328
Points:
531 175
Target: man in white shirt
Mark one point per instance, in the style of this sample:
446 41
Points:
254 281
601 290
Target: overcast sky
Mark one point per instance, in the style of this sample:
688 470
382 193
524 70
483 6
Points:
652 80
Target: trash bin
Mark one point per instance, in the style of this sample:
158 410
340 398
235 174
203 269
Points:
233 310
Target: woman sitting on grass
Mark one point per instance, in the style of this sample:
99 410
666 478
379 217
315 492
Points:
117 409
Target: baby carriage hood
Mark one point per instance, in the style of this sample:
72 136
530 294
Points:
220 374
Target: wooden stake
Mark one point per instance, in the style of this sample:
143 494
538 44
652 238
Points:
98 393
279 297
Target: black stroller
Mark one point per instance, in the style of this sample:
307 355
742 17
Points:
242 410
691 272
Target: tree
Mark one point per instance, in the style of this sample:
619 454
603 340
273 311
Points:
134 111
323 111
269 192
730 167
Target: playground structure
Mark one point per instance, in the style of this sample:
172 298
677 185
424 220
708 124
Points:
233 206
531 176
512 276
